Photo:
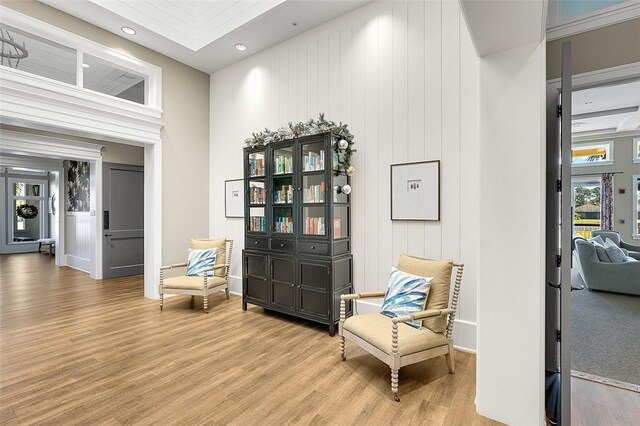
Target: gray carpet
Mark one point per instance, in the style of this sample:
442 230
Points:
605 332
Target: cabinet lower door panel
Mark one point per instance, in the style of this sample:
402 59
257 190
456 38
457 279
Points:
313 303
315 275
282 295
256 289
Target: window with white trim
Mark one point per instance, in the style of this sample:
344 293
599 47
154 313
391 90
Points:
592 154
47 51
28 210
636 150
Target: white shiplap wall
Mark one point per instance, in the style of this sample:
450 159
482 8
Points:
404 76
79 240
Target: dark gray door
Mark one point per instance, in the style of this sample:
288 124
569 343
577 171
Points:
123 215
558 249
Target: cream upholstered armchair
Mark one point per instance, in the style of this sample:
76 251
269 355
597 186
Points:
396 343
200 285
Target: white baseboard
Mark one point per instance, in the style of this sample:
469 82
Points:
78 263
464 332
235 285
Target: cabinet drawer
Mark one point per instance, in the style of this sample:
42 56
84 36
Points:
256 243
287 246
313 248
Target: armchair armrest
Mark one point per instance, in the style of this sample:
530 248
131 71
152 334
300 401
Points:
176 265
363 295
422 315
630 247
226 265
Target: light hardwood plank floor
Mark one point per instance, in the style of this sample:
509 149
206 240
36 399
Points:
595 404
78 351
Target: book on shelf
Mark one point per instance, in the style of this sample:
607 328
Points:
257 195
284 195
314 193
313 161
283 225
337 228
282 164
314 226
257 224
256 167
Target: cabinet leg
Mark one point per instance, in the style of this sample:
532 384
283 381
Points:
244 306
332 329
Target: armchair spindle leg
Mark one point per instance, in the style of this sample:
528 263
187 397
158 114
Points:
394 384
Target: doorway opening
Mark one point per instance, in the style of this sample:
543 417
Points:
605 124
585 203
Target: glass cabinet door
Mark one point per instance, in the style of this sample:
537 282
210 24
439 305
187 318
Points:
256 192
282 190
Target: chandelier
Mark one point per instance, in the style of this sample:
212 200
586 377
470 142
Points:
10 51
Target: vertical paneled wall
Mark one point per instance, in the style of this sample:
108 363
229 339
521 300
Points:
404 76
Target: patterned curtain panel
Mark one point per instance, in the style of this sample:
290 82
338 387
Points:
606 206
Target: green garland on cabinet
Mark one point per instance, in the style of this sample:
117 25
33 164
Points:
308 128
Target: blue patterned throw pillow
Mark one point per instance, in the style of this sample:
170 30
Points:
201 262
406 294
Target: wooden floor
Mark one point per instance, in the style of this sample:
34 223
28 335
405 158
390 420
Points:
78 351
597 404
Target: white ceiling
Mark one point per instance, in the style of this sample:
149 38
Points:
203 33
611 108
498 25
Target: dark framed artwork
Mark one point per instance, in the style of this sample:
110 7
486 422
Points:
415 191
78 186
234 198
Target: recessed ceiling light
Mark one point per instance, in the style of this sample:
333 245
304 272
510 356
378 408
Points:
241 47
128 30
86 66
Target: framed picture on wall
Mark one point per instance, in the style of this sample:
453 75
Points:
234 198
415 191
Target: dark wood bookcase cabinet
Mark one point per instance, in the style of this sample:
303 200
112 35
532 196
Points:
297 257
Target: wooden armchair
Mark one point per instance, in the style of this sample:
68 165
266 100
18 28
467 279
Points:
396 343
200 285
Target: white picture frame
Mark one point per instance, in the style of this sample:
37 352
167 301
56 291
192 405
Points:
415 191
234 198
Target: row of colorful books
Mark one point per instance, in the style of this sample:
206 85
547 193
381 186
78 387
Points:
314 225
282 164
257 224
257 195
313 161
284 195
314 194
256 167
283 225
337 228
